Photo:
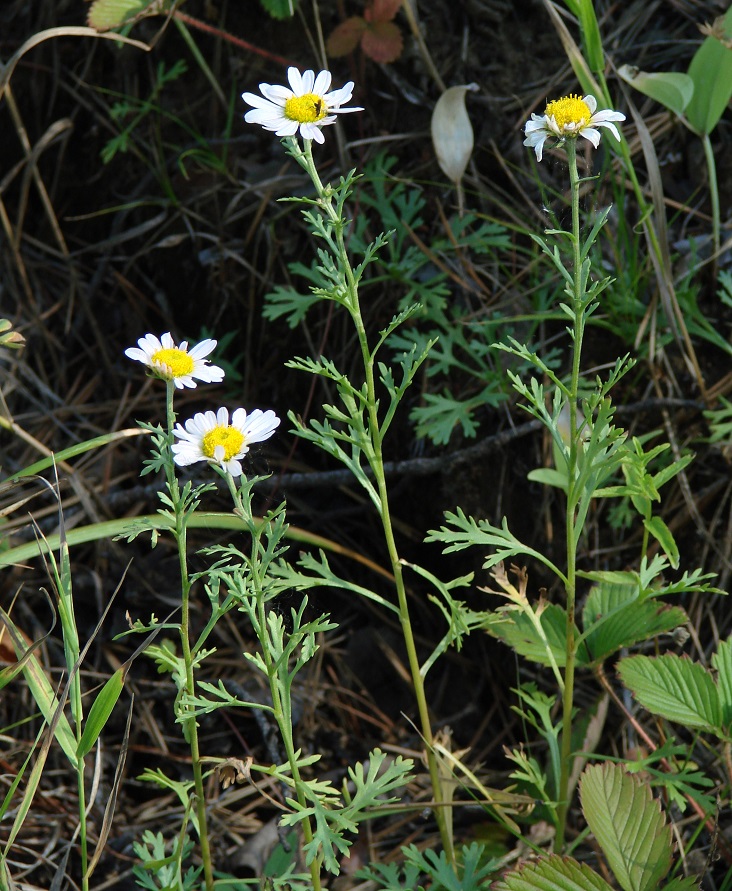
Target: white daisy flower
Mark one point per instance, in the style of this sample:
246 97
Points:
307 107
568 118
211 437
176 363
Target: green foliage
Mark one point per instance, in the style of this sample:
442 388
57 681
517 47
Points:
631 830
629 826
471 873
336 816
280 9
160 871
683 691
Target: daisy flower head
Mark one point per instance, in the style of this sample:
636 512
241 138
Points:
567 118
211 436
176 363
306 105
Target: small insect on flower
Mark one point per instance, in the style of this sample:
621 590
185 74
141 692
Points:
568 118
176 363
209 436
305 107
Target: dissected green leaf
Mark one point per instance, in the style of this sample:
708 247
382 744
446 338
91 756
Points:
628 824
553 873
711 72
675 688
660 531
671 88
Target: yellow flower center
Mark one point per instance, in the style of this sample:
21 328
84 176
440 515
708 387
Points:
569 112
177 362
229 438
306 109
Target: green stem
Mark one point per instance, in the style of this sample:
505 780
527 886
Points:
281 705
190 725
714 197
572 500
376 462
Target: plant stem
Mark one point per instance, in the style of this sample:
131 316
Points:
281 705
190 725
376 462
572 499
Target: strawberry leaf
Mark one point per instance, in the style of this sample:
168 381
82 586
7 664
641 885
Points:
345 37
382 10
382 42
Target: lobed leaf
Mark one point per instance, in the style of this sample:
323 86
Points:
553 873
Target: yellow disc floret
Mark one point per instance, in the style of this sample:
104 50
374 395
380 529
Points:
306 109
175 362
570 112
229 438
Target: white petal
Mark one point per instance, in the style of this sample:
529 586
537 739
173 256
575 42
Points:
322 83
308 79
239 417
312 131
166 341
286 127
277 94
202 349
592 135
338 97
610 126
295 79
233 467
591 103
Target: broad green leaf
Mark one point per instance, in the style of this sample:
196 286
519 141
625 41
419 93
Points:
107 14
553 873
711 72
614 617
671 88
628 824
660 531
675 688
517 630
722 663
101 710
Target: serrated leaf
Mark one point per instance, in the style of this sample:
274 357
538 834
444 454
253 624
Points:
671 88
614 617
382 10
518 631
682 883
675 688
452 132
628 824
104 15
382 42
346 36
722 663
553 873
